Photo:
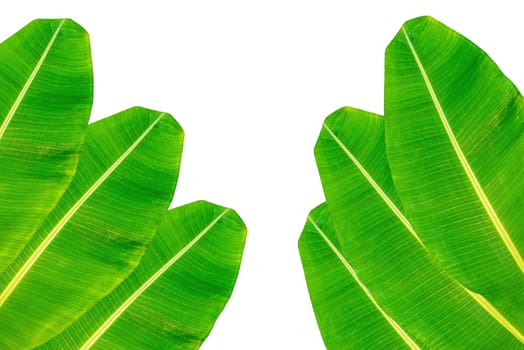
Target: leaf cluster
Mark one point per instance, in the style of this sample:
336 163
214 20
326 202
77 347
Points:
420 242
90 255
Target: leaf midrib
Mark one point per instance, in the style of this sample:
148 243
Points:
29 82
26 267
129 301
492 214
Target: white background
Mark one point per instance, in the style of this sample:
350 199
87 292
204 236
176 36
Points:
250 83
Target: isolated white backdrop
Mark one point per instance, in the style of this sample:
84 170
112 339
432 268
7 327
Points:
251 82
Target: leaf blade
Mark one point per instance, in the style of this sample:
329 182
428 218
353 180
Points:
384 252
47 82
347 313
64 220
158 302
454 148
501 230
116 220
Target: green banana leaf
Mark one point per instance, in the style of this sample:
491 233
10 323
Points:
47 91
347 314
98 231
455 145
174 296
386 252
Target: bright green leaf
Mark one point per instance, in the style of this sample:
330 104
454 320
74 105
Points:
384 249
174 296
347 314
47 91
454 127
99 230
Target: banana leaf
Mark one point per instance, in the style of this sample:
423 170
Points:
348 315
174 296
455 145
385 250
98 231
47 91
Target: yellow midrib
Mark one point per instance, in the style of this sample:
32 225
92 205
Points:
15 281
496 314
29 81
477 297
125 305
403 335
465 165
